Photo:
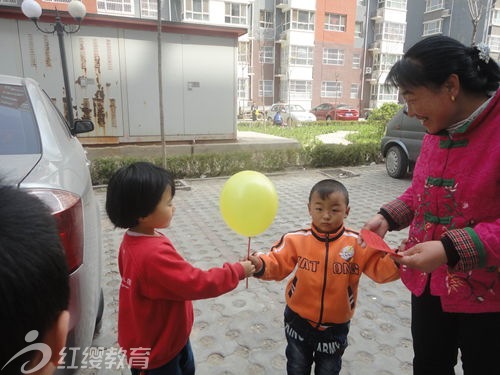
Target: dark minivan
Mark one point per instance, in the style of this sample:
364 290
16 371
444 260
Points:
401 144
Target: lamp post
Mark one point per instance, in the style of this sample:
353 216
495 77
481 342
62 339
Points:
77 10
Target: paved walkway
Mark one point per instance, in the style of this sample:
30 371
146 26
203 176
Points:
242 332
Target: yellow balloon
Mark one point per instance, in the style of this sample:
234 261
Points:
248 203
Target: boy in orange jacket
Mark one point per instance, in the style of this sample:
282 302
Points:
321 296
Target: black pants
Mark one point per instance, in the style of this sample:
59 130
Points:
437 336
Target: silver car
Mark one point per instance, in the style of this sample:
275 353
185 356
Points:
39 153
293 114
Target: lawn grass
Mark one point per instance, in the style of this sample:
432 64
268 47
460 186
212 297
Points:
366 132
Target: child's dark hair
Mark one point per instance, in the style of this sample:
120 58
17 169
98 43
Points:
325 187
134 191
34 281
432 60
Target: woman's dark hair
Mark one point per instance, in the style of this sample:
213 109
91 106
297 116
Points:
325 187
134 191
432 60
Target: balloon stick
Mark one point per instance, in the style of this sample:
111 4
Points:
248 257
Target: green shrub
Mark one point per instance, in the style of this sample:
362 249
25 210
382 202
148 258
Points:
384 113
332 155
365 148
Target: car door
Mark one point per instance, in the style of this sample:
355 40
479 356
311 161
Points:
412 132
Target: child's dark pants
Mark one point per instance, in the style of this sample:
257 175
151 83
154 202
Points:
307 345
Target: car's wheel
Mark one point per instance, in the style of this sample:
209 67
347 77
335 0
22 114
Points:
396 162
328 118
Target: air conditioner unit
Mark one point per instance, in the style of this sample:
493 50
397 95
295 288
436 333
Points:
368 70
445 13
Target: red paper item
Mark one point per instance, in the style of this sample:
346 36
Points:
376 242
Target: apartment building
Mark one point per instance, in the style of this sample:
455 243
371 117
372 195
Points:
222 56
313 51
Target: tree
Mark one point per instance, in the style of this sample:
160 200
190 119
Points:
476 8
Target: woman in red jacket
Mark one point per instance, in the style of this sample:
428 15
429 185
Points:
155 314
452 260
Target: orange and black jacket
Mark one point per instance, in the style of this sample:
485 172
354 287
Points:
327 267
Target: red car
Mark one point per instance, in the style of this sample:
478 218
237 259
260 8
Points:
329 111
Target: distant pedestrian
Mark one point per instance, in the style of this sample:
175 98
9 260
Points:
155 309
452 207
278 118
321 295
34 286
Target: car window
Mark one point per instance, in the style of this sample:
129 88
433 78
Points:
54 115
18 130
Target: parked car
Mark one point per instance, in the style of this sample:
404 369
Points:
330 111
401 144
39 153
293 114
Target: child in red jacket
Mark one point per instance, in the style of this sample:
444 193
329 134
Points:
155 313
327 262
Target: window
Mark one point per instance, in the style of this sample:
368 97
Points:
243 88
384 93
148 8
356 61
354 91
333 56
243 52
335 22
266 88
358 29
384 61
495 17
300 20
494 43
266 19
390 31
300 90
301 55
331 89
196 10
266 54
236 13
118 7
432 5
433 27
394 4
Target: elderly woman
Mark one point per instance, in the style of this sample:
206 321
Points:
451 259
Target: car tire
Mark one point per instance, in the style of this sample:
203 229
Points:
396 162
328 118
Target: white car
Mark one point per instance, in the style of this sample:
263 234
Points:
293 114
39 153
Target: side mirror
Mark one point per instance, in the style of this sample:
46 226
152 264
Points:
82 126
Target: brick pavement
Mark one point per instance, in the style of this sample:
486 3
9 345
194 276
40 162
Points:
242 332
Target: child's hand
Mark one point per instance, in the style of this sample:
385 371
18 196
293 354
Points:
248 267
256 261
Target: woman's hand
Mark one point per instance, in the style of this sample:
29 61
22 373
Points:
425 256
376 224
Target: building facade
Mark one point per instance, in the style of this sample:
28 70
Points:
220 57
313 51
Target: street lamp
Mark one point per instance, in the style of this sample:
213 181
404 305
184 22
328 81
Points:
76 9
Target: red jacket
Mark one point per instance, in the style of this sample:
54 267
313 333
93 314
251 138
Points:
155 308
327 269
454 195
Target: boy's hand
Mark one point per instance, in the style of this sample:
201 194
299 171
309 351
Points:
248 267
256 261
